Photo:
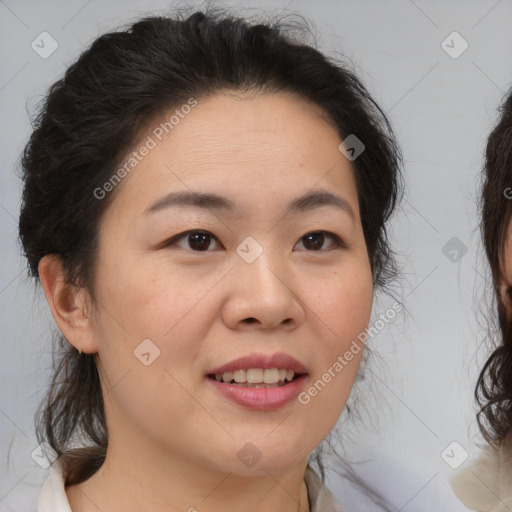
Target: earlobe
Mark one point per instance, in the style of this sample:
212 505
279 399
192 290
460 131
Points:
504 292
68 304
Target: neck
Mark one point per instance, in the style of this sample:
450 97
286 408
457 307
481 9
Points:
135 479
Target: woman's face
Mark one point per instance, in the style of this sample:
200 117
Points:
169 313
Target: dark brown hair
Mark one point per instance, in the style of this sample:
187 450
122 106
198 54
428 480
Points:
494 388
92 117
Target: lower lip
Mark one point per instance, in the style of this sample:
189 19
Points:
261 398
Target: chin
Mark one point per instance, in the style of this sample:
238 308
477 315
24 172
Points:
259 459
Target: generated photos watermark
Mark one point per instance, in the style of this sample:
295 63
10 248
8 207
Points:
343 360
151 142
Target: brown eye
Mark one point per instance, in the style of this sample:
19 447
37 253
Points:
315 240
198 241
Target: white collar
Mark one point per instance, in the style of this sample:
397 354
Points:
52 497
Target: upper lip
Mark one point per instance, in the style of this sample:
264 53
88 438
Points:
278 360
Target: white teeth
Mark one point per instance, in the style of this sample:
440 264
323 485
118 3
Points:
257 376
271 376
227 376
239 376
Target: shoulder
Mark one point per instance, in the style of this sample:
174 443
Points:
486 484
52 497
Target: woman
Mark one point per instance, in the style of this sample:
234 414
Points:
487 484
205 205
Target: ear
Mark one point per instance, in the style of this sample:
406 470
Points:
505 284
69 304
504 292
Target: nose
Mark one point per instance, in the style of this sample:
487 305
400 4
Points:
263 294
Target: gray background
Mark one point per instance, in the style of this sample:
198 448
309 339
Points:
442 109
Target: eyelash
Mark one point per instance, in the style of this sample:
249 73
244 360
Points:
172 241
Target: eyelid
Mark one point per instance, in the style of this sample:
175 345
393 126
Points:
338 241
174 239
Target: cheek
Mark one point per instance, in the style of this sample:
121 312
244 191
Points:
151 301
343 304
149 340
171 308
341 313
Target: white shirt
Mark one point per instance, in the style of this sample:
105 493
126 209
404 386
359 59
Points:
52 497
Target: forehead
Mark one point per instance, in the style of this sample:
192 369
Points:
254 148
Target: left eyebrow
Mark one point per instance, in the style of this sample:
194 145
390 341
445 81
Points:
306 202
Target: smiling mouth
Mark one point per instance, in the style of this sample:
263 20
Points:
257 377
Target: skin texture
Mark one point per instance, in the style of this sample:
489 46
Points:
506 271
173 439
